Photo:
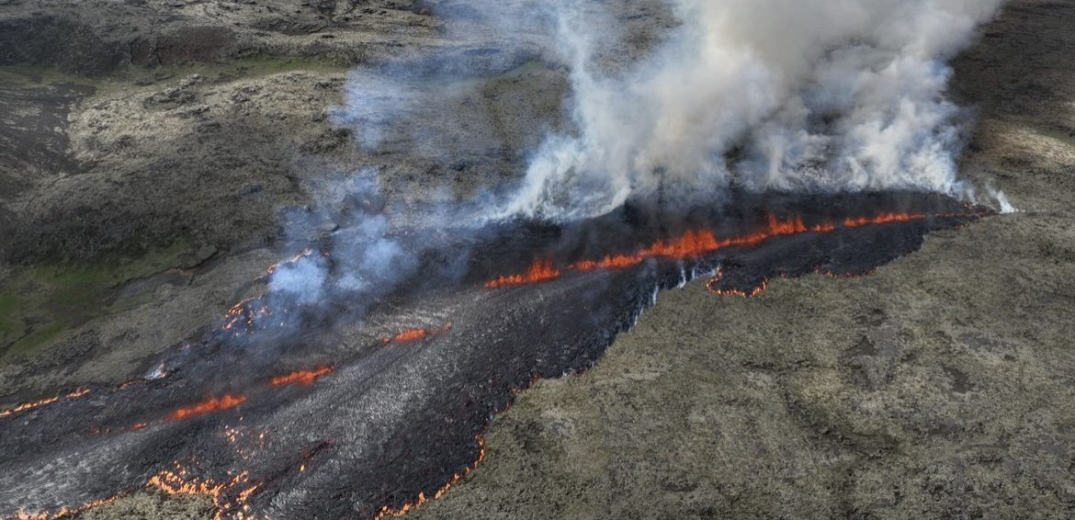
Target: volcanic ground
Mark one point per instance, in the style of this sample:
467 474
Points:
149 150
295 410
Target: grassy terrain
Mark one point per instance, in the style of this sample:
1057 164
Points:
40 303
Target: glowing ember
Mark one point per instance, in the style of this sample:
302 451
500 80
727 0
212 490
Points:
302 377
711 286
179 482
422 498
215 404
63 513
541 271
416 334
245 314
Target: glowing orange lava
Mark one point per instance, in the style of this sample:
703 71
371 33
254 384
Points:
29 406
422 498
63 513
215 404
736 292
693 244
179 482
540 271
43 402
698 243
415 335
883 218
302 377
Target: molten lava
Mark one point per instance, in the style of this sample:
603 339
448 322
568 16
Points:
42 402
698 243
711 287
28 406
416 334
386 511
302 377
179 482
883 218
694 244
540 271
62 513
215 404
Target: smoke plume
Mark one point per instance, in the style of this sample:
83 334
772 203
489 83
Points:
795 95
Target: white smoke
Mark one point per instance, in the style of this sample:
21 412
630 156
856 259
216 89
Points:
829 95
366 260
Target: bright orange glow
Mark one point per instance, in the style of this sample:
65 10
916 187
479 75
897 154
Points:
882 218
302 377
64 512
81 392
736 292
694 244
387 512
29 406
215 404
416 334
179 482
540 271
698 243
411 335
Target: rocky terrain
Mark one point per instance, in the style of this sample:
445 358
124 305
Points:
151 152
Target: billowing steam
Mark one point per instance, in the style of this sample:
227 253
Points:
829 95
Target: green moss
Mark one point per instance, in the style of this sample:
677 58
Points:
40 304
10 327
35 340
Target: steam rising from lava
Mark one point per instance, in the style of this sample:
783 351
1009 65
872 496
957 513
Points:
770 94
767 95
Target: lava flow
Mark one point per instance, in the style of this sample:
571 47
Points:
301 377
540 271
215 404
415 335
386 511
42 402
695 244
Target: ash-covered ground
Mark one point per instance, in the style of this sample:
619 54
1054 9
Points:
153 152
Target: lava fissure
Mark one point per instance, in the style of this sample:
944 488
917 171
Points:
211 405
24 407
411 335
302 377
540 271
693 244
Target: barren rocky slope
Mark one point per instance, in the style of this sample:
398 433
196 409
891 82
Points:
151 151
